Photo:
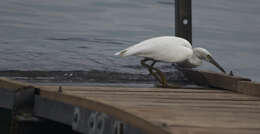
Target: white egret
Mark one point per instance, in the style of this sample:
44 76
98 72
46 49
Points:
168 49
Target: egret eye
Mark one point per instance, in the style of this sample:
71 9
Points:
208 57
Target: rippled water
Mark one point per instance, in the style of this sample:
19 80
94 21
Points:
84 34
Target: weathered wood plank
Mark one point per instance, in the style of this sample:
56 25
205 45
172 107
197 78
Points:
216 104
213 79
86 122
136 89
195 113
190 115
12 85
169 96
201 118
158 110
101 106
208 130
249 88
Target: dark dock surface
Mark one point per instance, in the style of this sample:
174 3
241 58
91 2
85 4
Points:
157 110
122 110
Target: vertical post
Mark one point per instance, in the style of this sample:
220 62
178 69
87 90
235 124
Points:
183 23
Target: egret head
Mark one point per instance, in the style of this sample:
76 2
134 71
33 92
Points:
205 55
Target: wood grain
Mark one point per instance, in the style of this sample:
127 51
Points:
101 106
213 79
249 88
158 110
168 111
12 85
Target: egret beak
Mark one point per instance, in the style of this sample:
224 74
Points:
212 61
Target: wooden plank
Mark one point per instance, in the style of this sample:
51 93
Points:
139 94
226 114
169 96
173 103
201 118
213 79
136 89
193 107
209 130
249 88
158 110
180 114
65 113
12 85
101 106
153 93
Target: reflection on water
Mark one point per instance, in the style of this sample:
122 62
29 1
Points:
84 34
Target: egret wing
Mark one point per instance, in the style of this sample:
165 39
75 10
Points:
165 52
154 43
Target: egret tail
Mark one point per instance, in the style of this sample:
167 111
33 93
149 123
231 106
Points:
121 53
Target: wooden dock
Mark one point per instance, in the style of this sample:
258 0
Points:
118 110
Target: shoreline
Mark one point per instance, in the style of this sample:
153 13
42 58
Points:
93 76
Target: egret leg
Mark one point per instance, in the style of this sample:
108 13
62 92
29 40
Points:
150 69
164 82
157 74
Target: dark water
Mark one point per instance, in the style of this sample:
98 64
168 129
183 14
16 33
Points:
84 34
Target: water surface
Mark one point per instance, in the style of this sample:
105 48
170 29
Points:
83 34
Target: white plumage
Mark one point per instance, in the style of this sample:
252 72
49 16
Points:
165 48
168 49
